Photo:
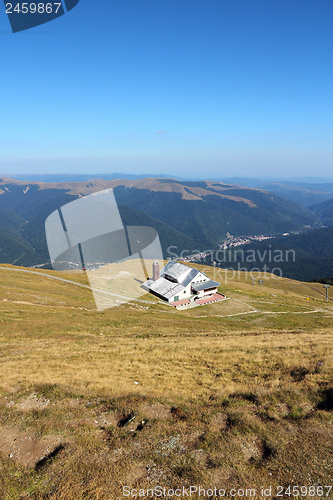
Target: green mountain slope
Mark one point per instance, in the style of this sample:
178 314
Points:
187 215
307 256
15 250
12 245
22 234
169 237
209 215
324 211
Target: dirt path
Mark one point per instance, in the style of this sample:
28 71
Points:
125 299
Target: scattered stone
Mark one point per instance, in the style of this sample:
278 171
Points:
73 403
155 411
306 408
252 450
282 409
155 474
102 420
172 445
33 402
200 456
256 449
109 418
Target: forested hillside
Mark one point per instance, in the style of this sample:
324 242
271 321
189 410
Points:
187 215
324 211
306 256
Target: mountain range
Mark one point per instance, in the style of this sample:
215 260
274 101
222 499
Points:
303 193
187 214
307 256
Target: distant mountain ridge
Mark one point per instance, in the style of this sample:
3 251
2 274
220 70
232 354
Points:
298 191
79 177
187 214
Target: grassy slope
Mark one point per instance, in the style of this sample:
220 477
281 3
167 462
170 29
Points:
250 378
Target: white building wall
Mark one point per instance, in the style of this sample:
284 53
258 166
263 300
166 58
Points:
184 294
187 292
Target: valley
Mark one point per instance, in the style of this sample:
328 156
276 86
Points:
187 215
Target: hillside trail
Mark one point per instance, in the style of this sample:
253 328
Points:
253 310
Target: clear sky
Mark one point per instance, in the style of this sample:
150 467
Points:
195 88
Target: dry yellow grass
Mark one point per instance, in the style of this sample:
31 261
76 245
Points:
248 379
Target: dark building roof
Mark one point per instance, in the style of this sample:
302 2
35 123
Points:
206 285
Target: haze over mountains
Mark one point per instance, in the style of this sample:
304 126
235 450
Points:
304 191
187 214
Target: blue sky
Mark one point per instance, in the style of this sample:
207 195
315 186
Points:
194 88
